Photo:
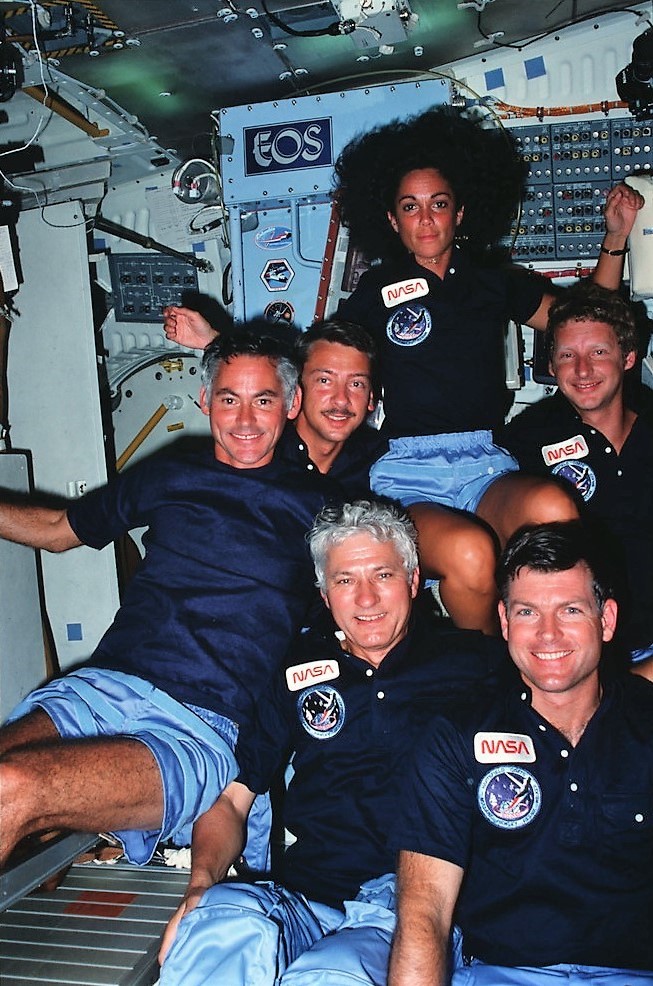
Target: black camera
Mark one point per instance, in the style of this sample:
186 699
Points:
635 82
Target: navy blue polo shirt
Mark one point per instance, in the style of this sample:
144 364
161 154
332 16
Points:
556 841
351 728
550 439
441 341
226 580
351 467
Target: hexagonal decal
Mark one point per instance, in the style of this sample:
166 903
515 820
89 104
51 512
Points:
277 275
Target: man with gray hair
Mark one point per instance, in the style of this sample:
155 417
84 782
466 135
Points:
348 707
224 586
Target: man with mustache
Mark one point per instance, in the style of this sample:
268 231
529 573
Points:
339 389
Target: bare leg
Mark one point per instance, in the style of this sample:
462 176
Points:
460 551
516 499
87 784
643 668
36 727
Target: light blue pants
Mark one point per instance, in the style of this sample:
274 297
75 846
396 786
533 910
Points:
263 935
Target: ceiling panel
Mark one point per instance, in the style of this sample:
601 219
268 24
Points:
173 61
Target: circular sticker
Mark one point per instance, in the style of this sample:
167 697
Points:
321 711
580 474
273 237
509 797
280 311
409 325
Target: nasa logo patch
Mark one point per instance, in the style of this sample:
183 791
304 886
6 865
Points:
580 474
321 712
503 748
509 797
393 294
409 325
299 675
571 448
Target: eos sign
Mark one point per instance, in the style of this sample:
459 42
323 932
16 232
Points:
288 146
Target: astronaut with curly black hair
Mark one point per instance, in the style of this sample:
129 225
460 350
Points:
430 197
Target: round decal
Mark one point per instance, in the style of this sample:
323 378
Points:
321 711
509 797
273 237
409 325
580 474
280 311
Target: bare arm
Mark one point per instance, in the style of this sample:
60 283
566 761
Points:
218 839
621 207
37 527
428 890
539 319
187 327
620 210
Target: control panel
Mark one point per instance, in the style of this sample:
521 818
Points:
143 284
572 164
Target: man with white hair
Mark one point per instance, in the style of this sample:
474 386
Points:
349 708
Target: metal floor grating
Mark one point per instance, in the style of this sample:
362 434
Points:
100 927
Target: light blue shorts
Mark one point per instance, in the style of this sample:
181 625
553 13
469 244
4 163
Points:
478 973
454 470
193 748
641 654
264 935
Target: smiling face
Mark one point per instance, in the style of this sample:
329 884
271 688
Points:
425 214
555 632
589 366
369 594
247 411
337 393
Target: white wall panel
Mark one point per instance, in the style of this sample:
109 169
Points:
54 411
